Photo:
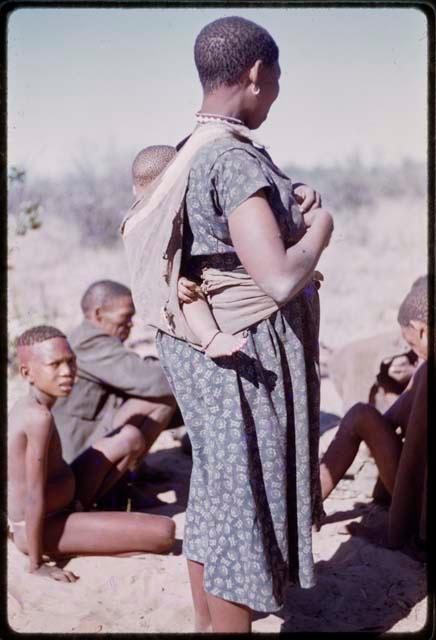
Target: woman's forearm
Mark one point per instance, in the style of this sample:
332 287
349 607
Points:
299 261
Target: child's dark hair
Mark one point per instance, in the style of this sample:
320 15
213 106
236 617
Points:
37 334
227 47
415 304
150 162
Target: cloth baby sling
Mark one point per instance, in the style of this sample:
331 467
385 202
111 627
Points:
152 232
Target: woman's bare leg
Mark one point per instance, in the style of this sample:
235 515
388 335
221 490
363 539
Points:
228 617
203 620
361 423
103 533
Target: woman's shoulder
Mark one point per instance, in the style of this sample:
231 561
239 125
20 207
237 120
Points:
223 149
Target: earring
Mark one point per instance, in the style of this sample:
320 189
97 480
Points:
256 90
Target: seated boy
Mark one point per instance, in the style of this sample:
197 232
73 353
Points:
148 164
400 457
46 497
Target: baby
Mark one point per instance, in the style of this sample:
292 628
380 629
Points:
148 164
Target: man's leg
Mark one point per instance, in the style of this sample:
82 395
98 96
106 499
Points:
104 533
361 422
98 468
150 417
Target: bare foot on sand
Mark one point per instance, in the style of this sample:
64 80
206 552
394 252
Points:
224 344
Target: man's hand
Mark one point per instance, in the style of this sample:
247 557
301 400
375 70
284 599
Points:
54 573
307 197
187 290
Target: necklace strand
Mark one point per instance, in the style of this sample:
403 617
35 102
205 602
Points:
210 117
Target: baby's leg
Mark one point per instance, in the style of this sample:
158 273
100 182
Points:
214 342
105 533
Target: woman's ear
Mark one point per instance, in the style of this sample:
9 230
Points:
253 75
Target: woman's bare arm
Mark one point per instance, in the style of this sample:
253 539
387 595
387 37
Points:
281 273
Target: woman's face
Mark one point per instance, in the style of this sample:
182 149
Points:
269 87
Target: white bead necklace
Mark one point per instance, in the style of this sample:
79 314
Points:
212 117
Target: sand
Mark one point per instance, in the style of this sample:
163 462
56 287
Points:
360 586
370 264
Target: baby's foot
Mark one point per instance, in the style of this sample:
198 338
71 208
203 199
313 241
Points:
224 344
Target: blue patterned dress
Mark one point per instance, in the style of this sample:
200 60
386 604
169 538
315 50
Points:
253 418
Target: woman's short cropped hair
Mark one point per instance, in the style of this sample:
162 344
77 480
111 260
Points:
227 47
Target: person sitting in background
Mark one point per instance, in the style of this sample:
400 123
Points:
46 496
401 457
375 370
115 387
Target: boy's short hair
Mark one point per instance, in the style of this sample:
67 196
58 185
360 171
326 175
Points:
150 162
415 304
102 292
227 47
38 334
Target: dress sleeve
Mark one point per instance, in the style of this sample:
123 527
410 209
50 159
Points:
236 175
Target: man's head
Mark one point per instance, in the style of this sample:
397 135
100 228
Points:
46 360
413 317
109 306
148 164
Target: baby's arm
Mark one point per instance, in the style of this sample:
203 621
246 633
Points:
39 433
200 319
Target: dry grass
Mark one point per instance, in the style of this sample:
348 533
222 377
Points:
374 256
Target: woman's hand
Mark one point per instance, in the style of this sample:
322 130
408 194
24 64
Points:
306 197
187 290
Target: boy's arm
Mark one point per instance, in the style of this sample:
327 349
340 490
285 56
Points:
39 434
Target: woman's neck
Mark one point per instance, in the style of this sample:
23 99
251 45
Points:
225 101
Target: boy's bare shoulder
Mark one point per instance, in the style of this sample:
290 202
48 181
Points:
29 416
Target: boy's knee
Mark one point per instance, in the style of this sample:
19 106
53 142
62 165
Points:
359 416
167 535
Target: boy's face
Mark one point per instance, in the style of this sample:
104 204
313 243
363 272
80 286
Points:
50 366
415 334
115 318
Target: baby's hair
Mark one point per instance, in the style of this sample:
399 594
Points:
102 292
415 304
227 47
38 334
150 162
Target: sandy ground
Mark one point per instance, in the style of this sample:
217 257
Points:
360 586
369 266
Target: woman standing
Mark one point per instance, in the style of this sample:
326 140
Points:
253 418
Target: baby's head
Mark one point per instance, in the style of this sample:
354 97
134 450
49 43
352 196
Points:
148 164
46 360
413 317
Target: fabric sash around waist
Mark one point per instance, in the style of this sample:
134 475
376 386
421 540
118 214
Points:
235 299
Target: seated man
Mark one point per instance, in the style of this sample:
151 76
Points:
46 497
115 387
401 458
